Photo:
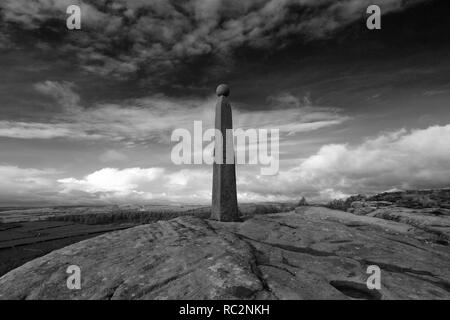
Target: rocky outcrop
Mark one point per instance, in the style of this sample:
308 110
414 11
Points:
427 210
435 222
366 207
416 199
413 199
310 253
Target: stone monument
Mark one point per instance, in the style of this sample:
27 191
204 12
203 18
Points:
224 199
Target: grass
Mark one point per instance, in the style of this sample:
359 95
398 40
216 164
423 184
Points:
148 216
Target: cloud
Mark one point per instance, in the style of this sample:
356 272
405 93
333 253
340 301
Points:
159 36
138 121
107 185
63 92
401 159
394 160
31 178
5 41
26 184
135 121
115 180
142 185
290 114
32 14
32 130
112 156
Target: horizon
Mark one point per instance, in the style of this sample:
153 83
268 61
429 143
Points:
207 203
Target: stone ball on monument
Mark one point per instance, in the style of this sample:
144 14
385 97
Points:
223 90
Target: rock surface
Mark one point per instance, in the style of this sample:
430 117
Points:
310 253
434 222
426 210
417 199
366 207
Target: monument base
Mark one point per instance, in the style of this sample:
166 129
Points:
224 202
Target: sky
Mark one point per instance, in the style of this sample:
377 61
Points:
87 115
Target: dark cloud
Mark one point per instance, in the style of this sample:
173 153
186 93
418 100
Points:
127 38
155 117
